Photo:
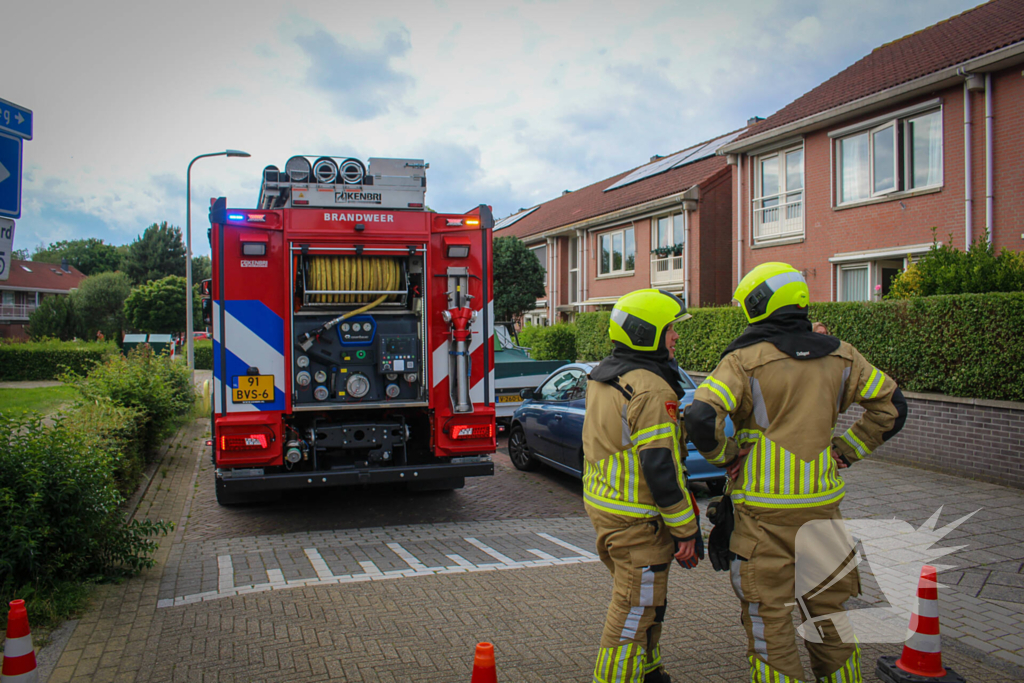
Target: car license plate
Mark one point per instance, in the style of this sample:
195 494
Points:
510 398
253 389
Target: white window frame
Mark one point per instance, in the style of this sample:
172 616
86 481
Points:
574 269
859 265
759 211
612 272
543 263
902 159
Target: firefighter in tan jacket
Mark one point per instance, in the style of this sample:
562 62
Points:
784 387
634 482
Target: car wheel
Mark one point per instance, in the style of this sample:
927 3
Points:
518 452
716 486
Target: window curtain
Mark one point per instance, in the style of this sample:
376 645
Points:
855 284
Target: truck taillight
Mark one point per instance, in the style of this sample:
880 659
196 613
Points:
472 431
243 442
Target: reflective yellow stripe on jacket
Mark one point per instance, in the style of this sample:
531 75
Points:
775 478
613 484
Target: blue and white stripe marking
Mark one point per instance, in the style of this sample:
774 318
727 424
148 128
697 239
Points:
254 338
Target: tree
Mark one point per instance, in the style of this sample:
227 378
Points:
156 254
100 303
518 279
90 255
159 306
55 317
19 254
201 268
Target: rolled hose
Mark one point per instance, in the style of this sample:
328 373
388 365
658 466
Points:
351 273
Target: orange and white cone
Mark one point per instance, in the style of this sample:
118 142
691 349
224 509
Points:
484 670
922 651
19 657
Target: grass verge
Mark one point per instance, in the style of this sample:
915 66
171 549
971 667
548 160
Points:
48 606
43 400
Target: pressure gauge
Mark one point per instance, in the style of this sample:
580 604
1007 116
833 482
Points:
392 376
320 376
321 393
357 385
367 327
392 391
410 377
302 361
302 379
345 327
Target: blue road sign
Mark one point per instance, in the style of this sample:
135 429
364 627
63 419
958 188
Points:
15 119
10 176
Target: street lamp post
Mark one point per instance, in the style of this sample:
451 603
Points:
190 357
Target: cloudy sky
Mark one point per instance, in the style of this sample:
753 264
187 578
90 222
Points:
510 102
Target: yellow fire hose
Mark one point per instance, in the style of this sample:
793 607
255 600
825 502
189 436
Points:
360 273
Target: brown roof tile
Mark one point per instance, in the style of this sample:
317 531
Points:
42 276
973 33
592 201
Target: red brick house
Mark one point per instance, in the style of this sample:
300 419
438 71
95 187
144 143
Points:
27 285
666 224
847 181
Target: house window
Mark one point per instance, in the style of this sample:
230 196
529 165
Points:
779 194
668 240
617 252
898 155
574 270
853 283
541 253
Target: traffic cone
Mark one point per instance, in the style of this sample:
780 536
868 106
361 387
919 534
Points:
922 653
19 657
483 664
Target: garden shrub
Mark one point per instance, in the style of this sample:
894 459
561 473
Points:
592 341
157 386
49 358
117 430
555 342
968 345
203 354
947 270
60 506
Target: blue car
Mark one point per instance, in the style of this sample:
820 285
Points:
548 427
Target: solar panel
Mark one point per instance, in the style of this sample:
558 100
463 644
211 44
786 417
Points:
687 156
509 220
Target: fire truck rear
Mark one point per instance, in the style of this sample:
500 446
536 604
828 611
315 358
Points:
352 331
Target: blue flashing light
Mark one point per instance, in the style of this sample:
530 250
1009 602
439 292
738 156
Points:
236 216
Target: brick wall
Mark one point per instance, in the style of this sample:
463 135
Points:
965 437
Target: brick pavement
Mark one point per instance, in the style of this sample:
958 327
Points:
421 626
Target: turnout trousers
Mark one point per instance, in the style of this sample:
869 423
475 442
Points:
637 552
764 578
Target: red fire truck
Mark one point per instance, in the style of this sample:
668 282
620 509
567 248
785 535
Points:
352 334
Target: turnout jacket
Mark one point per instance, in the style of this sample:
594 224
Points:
786 410
632 440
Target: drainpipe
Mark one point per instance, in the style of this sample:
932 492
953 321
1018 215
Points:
968 190
989 172
737 161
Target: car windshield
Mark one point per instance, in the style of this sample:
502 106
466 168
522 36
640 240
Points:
561 386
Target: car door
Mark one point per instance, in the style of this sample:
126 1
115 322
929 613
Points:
570 436
548 431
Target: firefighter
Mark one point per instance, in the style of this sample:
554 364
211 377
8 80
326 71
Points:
784 387
634 481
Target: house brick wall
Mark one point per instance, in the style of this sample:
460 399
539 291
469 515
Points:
906 220
981 440
711 274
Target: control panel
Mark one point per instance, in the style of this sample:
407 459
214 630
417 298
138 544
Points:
363 359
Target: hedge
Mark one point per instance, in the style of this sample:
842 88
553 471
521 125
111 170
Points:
592 341
116 430
48 359
203 354
968 345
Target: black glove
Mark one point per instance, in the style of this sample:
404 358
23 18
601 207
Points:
721 515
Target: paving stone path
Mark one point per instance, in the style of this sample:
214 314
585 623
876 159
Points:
312 591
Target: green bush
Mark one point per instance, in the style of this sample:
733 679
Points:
56 317
947 270
60 507
528 335
49 358
116 430
555 342
969 345
156 386
592 341
203 351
